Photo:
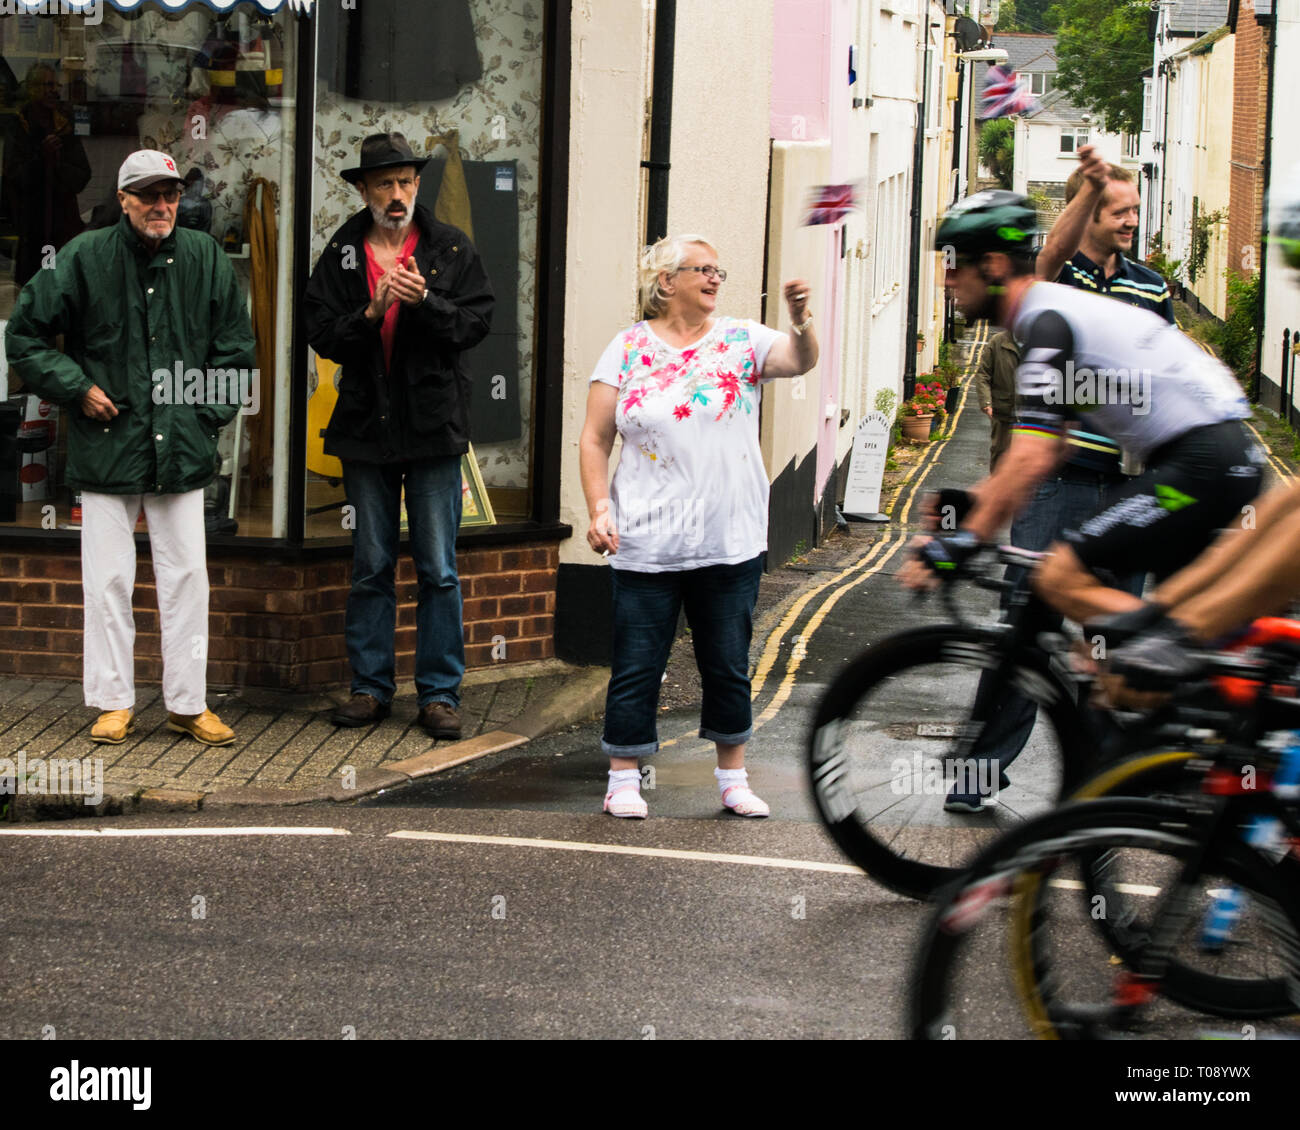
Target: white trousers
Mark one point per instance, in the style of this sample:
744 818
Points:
178 543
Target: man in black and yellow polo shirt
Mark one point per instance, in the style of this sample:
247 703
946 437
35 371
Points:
1084 249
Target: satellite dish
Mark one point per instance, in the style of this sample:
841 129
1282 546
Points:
968 33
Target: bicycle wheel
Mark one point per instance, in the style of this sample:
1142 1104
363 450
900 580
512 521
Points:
895 727
1011 950
1227 980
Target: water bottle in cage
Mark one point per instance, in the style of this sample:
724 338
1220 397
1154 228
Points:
1266 833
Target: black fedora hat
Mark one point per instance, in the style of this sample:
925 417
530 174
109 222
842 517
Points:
384 151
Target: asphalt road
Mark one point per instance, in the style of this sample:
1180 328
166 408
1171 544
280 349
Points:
274 936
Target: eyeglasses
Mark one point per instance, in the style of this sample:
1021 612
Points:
151 196
708 272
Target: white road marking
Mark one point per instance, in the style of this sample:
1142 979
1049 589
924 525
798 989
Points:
1123 888
623 849
122 832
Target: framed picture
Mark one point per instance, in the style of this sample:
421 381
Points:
475 506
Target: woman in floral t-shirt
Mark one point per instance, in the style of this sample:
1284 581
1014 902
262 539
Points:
684 522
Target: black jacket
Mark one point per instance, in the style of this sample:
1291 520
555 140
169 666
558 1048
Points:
419 409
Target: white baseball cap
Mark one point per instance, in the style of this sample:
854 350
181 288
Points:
145 167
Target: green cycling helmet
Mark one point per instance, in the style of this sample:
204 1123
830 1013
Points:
993 220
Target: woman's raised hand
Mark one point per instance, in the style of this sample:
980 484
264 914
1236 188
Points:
796 296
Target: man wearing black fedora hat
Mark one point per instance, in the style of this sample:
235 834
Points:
396 299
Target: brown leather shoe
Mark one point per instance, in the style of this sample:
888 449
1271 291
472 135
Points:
439 720
206 727
112 727
361 710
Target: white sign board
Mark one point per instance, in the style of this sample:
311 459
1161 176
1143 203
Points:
867 465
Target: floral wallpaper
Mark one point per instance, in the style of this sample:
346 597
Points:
498 117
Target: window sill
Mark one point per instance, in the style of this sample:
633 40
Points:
18 538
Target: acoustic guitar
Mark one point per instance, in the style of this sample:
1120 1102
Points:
319 410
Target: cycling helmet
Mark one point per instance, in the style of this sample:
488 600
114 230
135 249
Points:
993 220
1285 221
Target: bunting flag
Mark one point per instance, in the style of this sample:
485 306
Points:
830 203
1004 94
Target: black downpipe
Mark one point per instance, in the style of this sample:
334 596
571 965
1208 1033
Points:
1264 230
661 122
959 114
1285 379
918 175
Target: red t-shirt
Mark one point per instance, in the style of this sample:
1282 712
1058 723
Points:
373 271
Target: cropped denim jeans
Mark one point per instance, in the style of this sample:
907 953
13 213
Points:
433 497
719 602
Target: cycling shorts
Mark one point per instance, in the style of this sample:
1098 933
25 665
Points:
1161 520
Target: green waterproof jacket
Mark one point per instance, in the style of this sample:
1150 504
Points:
165 334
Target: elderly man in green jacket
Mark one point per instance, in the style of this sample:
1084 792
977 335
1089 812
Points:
158 347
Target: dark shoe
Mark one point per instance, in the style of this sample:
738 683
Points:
959 800
362 710
439 720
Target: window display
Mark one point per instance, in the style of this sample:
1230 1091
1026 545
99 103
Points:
463 82
213 90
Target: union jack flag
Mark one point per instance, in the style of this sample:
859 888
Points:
830 203
1004 94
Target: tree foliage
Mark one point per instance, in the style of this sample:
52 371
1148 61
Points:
997 149
1102 48
1028 15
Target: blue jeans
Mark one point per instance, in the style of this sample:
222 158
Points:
433 515
1060 504
719 602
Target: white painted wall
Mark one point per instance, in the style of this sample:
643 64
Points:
610 85
1282 292
722 84
794 410
1039 156
1198 152
879 152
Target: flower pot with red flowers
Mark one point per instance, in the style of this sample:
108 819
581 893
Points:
923 411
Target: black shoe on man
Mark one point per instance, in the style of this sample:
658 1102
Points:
439 720
361 710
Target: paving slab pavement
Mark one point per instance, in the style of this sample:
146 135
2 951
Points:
286 750
288 753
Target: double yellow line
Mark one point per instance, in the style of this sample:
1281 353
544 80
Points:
1280 469
846 581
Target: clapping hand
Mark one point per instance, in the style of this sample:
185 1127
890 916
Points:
408 283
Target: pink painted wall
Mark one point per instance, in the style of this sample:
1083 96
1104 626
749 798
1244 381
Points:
801 36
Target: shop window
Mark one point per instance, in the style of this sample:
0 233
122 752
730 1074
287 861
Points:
462 80
78 93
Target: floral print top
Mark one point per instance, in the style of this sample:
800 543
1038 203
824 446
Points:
690 489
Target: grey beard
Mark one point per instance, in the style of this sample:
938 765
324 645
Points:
384 220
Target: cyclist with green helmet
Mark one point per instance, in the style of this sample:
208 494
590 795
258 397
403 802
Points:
1123 372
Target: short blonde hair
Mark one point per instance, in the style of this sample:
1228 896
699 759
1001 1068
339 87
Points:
1113 173
666 255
